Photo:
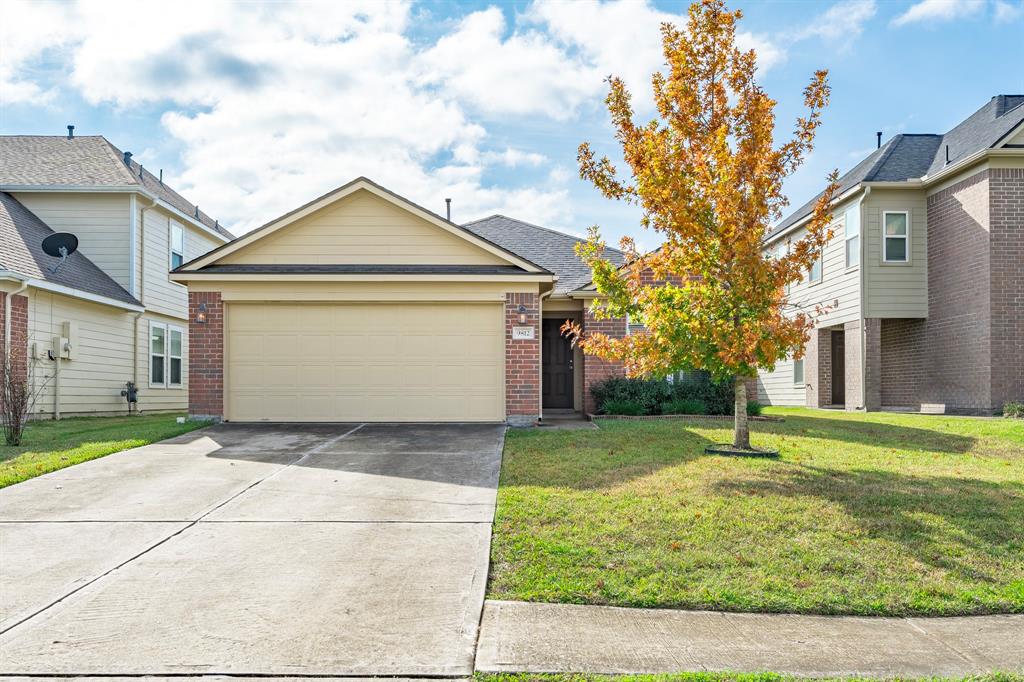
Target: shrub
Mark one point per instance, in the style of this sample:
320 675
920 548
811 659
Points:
652 394
1014 409
649 394
753 408
684 406
626 407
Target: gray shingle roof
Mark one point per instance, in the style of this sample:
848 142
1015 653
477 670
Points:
359 269
554 251
21 238
912 156
84 161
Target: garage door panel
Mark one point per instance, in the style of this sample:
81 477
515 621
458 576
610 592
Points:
350 362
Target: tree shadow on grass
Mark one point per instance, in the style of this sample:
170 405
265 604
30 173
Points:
942 521
875 434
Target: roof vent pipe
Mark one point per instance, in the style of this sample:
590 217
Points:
878 141
140 170
161 176
71 132
197 211
947 154
128 159
448 209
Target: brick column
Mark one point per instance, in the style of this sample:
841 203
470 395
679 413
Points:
522 361
818 368
854 390
206 356
19 334
872 364
595 369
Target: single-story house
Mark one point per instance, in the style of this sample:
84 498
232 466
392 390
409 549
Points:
363 306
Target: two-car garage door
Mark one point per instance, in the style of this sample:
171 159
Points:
365 362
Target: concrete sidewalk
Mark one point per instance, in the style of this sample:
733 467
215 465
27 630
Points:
525 637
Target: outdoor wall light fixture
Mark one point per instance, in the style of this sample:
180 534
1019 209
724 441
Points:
201 314
522 314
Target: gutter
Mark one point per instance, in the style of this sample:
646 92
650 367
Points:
43 285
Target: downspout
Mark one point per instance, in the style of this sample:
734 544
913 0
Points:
540 342
133 241
862 240
141 298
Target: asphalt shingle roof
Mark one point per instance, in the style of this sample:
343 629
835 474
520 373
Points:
83 161
21 251
913 156
554 251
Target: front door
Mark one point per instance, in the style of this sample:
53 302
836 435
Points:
556 366
838 368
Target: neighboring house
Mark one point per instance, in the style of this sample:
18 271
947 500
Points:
362 306
121 317
924 278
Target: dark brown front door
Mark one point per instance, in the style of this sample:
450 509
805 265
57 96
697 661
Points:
838 368
556 366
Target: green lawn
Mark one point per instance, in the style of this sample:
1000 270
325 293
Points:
863 514
715 677
51 445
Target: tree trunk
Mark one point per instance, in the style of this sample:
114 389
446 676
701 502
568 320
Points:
741 432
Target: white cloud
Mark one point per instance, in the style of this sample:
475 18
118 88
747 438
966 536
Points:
1008 12
843 22
938 10
40 30
512 158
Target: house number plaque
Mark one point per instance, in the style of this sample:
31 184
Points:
522 333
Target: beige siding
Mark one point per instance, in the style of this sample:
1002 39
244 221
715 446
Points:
895 290
839 285
100 221
363 228
158 292
90 382
1016 139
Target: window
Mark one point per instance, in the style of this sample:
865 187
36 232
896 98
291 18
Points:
174 357
895 237
165 355
814 274
852 221
177 245
798 372
157 354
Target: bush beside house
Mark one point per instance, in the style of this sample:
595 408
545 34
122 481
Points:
693 393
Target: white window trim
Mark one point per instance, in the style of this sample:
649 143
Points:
847 237
168 328
171 224
885 259
803 369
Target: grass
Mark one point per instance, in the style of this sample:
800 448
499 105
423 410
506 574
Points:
51 445
877 514
717 677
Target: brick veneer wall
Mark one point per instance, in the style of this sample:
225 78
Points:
19 334
594 368
818 368
872 340
1006 213
206 356
522 361
902 362
959 324
851 346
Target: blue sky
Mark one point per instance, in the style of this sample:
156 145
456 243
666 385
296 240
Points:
254 109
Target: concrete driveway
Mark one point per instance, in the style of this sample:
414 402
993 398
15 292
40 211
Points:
323 549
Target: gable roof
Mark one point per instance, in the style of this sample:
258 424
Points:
84 162
21 238
203 263
914 156
552 250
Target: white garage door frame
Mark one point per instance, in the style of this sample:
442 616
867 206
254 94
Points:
366 409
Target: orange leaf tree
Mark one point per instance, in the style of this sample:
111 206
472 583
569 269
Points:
708 177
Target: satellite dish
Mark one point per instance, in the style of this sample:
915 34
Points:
60 245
